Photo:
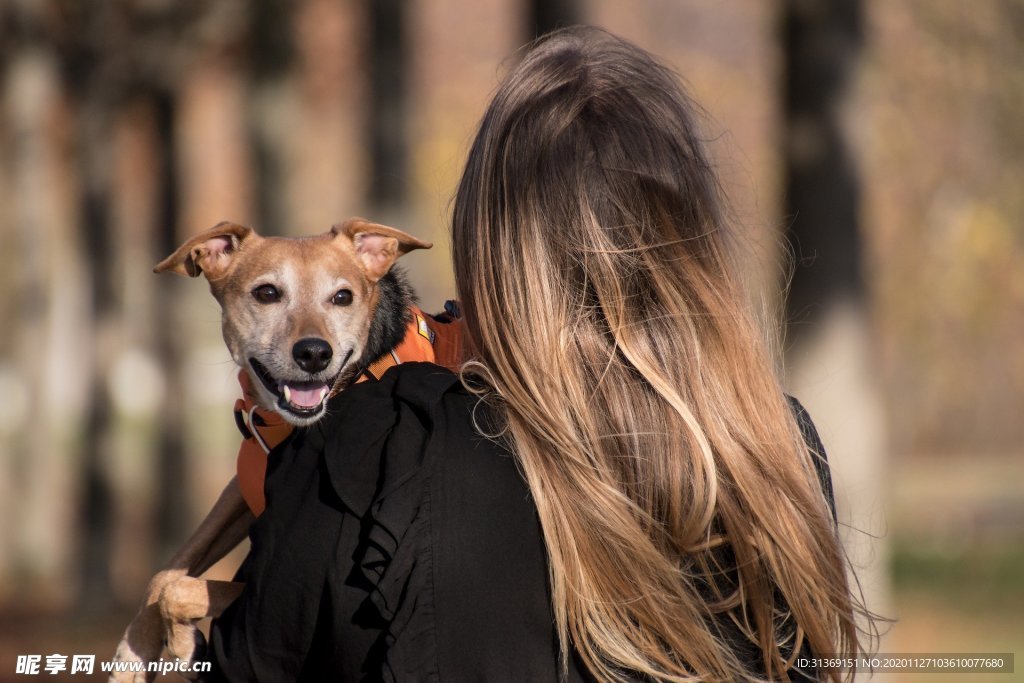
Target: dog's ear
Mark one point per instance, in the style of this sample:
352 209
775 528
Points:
209 253
376 246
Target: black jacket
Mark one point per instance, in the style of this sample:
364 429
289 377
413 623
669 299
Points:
397 544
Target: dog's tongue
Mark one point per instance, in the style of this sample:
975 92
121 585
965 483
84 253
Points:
305 395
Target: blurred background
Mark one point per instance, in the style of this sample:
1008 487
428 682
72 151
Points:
872 150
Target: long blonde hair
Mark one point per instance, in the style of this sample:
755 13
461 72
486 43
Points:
678 500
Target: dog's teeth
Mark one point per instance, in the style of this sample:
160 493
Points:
287 394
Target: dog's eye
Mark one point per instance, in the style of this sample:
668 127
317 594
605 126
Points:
267 294
342 298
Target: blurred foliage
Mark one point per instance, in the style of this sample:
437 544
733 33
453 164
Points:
943 158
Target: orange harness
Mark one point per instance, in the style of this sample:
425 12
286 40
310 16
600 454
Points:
426 339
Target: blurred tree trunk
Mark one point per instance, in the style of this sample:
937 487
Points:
387 133
110 54
831 356
269 60
821 42
173 524
95 517
548 15
40 267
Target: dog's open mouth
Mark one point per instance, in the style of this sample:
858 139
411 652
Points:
303 398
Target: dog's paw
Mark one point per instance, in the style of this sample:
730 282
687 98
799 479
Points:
143 640
186 644
177 646
141 644
183 603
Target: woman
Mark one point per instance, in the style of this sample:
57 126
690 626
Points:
618 489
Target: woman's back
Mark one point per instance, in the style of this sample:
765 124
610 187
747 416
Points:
420 556
635 389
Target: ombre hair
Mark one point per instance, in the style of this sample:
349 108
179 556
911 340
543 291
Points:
685 525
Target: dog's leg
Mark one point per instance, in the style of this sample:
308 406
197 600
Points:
186 601
223 528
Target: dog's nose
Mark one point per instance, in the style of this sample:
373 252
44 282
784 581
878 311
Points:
312 354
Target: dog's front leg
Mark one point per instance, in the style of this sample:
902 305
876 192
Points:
143 640
182 604
222 529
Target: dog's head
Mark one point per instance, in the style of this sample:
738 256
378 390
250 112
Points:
296 312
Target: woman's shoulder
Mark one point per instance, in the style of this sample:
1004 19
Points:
477 535
440 402
374 436
817 449
417 422
420 384
430 422
491 599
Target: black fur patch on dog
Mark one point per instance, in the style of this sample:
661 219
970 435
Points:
391 317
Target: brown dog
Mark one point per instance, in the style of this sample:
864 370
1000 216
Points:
302 316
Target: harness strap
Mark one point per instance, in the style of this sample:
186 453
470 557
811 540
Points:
377 368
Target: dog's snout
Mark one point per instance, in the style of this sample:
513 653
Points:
312 354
